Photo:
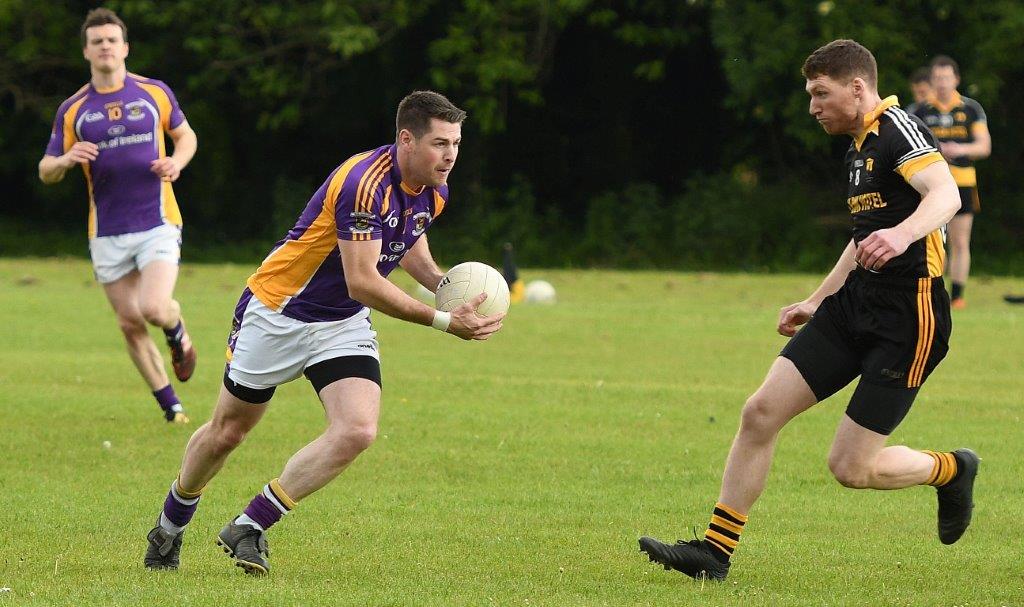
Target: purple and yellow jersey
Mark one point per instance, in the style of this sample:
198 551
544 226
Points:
363 199
128 125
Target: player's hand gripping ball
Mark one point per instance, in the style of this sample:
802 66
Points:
469 279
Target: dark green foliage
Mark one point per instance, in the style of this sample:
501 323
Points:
630 133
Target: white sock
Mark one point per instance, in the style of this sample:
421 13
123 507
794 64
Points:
243 519
168 526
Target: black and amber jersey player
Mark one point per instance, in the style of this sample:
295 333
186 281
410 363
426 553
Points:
881 315
880 163
889 322
960 126
960 121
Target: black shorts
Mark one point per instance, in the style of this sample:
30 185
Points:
969 201
321 375
890 331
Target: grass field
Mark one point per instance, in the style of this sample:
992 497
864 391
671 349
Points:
514 472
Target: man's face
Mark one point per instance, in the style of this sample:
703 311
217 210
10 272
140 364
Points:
105 48
432 156
944 80
921 90
834 104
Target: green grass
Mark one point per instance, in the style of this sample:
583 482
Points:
514 472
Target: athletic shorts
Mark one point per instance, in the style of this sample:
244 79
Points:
267 349
891 331
113 257
969 201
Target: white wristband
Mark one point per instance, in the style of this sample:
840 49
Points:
441 320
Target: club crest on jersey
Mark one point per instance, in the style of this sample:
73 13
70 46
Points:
362 222
870 164
135 110
420 221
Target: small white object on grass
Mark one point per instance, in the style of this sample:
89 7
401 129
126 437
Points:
540 291
106 444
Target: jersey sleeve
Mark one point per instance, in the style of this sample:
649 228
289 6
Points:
979 121
910 146
62 135
357 208
172 116
176 116
978 111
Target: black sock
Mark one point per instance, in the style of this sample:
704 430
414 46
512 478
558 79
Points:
957 291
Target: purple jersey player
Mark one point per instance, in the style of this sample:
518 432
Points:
114 127
306 311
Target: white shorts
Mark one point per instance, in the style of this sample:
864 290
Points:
113 257
271 349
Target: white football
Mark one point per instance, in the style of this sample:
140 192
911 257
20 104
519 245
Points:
540 291
469 279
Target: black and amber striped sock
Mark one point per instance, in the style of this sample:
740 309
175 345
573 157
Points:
724 531
944 468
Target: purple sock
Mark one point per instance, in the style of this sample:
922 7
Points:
178 510
174 335
267 507
166 397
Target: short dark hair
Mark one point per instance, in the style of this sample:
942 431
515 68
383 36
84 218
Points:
921 74
944 61
102 16
842 60
418 107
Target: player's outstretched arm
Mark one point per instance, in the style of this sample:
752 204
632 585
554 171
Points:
186 143
420 264
367 286
940 200
53 168
791 317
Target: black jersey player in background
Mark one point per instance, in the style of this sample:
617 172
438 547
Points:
920 87
960 125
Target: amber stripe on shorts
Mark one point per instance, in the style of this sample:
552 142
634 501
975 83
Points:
925 332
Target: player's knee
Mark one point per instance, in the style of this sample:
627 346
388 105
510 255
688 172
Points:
154 312
356 438
226 437
362 436
759 416
132 325
848 473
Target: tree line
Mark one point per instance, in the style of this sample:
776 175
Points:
628 133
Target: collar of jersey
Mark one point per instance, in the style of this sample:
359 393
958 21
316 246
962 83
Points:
954 101
110 90
410 191
871 120
397 170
